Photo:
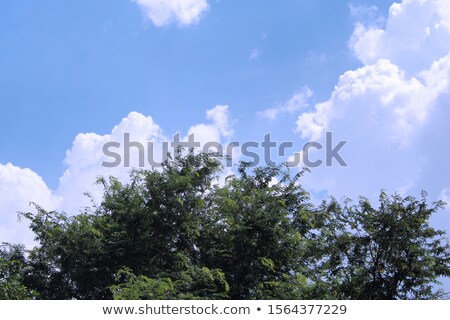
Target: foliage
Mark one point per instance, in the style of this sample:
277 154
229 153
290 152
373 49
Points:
193 284
175 233
253 232
12 268
386 253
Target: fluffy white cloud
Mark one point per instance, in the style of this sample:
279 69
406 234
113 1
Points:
417 33
164 12
380 112
19 187
220 126
219 130
393 110
384 97
296 102
84 161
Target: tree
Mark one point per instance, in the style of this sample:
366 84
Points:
150 226
175 233
12 270
386 253
254 236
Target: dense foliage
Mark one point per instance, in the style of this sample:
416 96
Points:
176 234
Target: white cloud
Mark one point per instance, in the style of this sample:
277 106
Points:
393 110
417 33
221 126
220 130
84 161
165 12
19 187
296 102
381 93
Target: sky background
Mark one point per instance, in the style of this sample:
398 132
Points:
77 74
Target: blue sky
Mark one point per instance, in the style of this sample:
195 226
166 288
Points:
76 74
81 66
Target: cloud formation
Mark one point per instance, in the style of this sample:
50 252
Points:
393 109
165 12
84 159
19 187
416 34
219 127
384 95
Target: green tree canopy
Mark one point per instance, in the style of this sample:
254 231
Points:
389 252
175 233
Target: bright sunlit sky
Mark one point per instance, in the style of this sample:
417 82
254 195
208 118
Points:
76 74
